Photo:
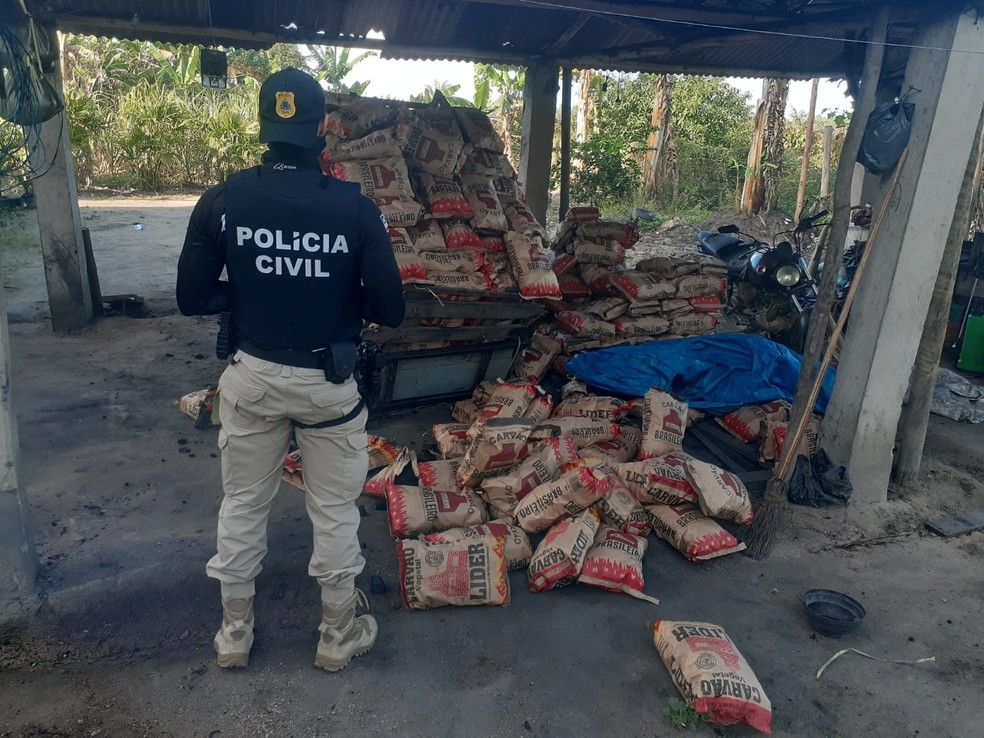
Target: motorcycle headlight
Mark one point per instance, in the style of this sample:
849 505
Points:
788 276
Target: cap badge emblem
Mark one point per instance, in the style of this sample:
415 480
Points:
285 104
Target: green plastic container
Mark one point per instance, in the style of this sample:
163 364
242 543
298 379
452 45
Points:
972 353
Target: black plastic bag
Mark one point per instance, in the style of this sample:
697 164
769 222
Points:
886 136
817 482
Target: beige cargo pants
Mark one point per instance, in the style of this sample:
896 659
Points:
258 400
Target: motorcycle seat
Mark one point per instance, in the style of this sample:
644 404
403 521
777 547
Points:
725 246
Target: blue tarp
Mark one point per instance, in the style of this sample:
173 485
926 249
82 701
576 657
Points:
716 374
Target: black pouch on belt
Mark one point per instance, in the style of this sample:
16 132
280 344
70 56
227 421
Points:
339 361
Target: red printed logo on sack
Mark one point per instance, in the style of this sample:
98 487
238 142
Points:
507 456
449 501
673 423
731 483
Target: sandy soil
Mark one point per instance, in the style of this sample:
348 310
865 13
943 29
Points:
124 494
128 260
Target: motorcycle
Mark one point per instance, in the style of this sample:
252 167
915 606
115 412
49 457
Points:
769 287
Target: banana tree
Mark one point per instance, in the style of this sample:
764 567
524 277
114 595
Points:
445 88
661 166
499 92
764 168
181 69
334 63
593 86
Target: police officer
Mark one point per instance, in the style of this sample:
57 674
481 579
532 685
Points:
307 259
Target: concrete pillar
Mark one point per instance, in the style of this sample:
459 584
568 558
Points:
894 294
539 113
60 224
18 558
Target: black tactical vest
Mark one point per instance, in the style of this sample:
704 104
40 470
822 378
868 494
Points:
293 262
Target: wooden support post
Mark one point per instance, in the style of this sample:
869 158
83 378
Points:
539 113
817 335
807 149
60 224
828 158
18 558
914 420
90 264
975 220
565 143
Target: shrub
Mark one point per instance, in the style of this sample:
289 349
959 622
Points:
603 171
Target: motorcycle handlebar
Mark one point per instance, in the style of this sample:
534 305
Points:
806 224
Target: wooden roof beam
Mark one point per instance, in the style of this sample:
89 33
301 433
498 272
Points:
234 37
642 10
565 38
833 70
827 24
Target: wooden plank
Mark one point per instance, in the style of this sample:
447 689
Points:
731 444
421 292
471 334
755 481
90 265
724 459
482 310
955 525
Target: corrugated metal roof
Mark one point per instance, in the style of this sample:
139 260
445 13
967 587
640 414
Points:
632 35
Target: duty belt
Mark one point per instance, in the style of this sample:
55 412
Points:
304 360
289 357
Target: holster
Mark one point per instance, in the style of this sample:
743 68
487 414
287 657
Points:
225 342
339 361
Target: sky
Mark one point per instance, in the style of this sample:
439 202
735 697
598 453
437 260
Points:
401 79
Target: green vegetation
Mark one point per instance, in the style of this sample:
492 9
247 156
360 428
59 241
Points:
712 125
140 119
682 715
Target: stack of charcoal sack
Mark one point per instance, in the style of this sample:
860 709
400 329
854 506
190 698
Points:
567 486
606 304
455 210
767 425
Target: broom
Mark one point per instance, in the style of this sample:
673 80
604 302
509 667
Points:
760 534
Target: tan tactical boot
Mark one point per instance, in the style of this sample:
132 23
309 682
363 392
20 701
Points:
235 637
343 635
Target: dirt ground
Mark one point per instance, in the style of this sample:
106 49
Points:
124 495
674 237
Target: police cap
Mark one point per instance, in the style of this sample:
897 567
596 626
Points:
292 106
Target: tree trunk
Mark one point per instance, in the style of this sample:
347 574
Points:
752 195
660 168
764 169
915 413
505 121
807 149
